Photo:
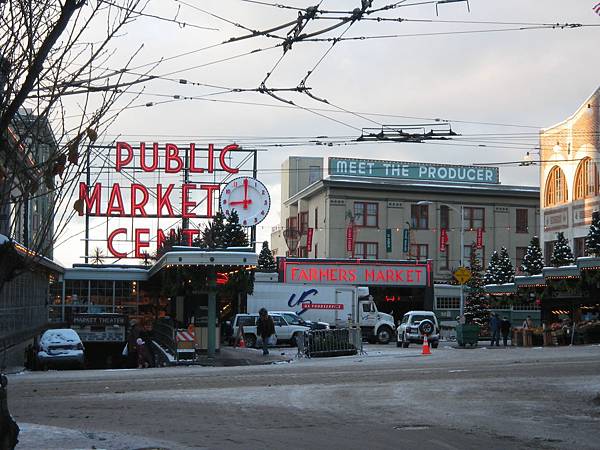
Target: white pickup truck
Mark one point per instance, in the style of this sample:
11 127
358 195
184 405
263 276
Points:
336 305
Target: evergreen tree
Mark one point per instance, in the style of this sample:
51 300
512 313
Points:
506 271
561 254
266 262
476 304
491 274
235 234
213 235
592 241
533 261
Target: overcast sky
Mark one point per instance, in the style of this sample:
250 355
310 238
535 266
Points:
528 78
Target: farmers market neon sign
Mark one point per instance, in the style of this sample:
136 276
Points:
136 200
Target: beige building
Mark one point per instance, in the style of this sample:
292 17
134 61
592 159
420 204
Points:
400 210
569 176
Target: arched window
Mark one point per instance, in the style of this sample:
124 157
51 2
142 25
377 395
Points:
556 187
586 179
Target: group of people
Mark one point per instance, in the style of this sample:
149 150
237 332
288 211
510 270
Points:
498 326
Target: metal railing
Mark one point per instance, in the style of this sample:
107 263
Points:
163 333
323 343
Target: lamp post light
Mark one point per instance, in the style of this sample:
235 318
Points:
462 244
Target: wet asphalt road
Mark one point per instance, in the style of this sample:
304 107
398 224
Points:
390 398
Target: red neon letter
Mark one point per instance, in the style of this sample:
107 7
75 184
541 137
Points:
115 194
160 237
172 154
193 167
135 205
110 239
163 200
154 165
210 196
189 234
222 155
186 202
211 158
93 201
120 161
139 244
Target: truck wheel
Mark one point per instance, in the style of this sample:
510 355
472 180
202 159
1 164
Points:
384 335
250 340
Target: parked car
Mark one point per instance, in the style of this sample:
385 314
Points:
414 325
284 331
60 348
294 319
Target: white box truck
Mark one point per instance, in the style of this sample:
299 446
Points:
336 305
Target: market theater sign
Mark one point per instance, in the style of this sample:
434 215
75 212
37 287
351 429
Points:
192 200
363 273
413 171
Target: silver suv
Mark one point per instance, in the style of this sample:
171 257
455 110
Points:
414 325
284 331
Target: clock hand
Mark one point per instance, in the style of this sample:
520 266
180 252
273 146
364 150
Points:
243 202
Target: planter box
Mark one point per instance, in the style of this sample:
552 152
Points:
467 334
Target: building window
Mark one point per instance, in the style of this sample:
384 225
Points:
522 225
447 303
579 247
419 217
444 217
556 188
520 253
316 218
480 252
366 250
419 252
548 248
314 174
366 214
586 179
303 219
474 218
291 223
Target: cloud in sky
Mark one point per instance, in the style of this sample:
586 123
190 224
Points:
533 77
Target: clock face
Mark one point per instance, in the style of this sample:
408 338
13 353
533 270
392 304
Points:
248 197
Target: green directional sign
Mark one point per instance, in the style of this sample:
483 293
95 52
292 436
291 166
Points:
388 240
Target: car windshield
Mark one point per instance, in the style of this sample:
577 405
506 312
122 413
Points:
293 319
419 318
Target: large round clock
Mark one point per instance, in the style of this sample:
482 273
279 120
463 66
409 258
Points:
248 197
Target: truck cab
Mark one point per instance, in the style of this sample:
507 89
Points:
376 326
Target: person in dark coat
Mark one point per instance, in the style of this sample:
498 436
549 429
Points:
495 329
132 353
505 327
265 328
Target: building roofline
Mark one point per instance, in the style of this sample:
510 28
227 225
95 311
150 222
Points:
572 116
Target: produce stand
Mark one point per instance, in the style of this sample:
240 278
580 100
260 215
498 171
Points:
467 334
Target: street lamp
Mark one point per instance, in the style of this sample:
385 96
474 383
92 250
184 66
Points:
462 243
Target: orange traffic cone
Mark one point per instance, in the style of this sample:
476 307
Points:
426 350
242 343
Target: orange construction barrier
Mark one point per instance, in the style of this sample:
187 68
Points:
426 350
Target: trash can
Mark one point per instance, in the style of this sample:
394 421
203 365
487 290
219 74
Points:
467 334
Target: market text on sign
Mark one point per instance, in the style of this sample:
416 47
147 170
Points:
367 274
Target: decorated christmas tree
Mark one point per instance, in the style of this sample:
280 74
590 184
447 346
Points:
533 261
561 254
266 262
235 234
476 304
490 276
592 241
506 271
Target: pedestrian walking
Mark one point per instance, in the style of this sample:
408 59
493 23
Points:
495 329
132 353
505 327
265 328
143 354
